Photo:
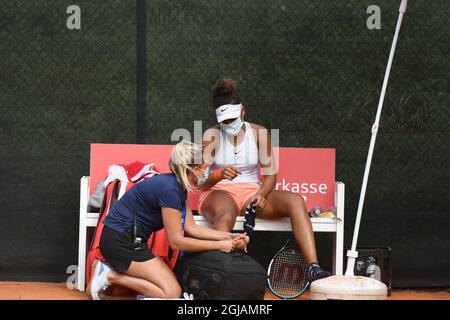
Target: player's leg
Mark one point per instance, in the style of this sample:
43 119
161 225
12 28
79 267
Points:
221 210
288 204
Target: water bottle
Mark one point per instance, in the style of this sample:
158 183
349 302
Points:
360 267
372 268
315 211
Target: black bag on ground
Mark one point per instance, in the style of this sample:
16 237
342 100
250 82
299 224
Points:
216 275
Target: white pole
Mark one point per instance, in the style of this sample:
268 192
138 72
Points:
353 254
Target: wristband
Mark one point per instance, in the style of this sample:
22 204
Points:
218 175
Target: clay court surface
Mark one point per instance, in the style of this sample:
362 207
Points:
59 291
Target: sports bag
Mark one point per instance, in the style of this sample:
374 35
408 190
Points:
216 275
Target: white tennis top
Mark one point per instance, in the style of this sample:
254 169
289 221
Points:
245 157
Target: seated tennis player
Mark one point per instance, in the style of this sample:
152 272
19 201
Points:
237 151
147 207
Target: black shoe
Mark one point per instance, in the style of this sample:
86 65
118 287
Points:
315 272
250 215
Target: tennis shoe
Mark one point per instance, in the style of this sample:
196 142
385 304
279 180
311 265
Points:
315 272
99 282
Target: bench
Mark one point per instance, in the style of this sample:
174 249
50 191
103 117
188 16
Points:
309 171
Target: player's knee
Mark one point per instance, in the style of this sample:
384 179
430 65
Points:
295 202
225 215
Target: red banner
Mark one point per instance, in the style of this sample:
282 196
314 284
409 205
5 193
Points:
306 171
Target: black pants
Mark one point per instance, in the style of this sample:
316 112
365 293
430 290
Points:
119 251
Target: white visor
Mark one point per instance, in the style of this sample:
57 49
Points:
228 111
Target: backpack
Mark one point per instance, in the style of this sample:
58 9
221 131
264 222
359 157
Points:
216 275
157 242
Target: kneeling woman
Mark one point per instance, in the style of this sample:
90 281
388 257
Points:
147 207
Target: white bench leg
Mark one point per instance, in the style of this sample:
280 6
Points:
338 253
81 276
338 237
82 256
339 248
335 262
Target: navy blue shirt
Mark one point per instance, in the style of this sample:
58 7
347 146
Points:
146 199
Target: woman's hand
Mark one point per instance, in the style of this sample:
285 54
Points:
240 244
226 245
259 201
228 173
240 241
237 241
240 236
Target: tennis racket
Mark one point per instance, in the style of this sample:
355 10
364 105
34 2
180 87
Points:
287 275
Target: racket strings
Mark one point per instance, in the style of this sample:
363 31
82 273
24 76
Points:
288 275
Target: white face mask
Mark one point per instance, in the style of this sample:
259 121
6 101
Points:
234 127
201 180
